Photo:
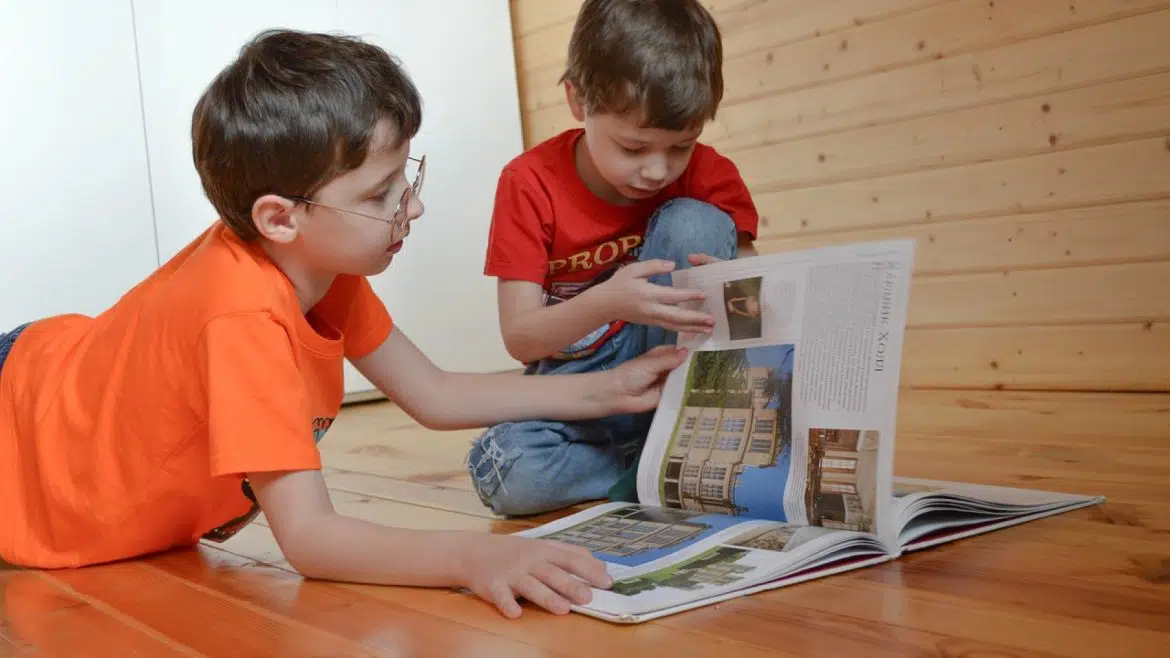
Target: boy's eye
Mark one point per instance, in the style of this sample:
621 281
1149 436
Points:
633 149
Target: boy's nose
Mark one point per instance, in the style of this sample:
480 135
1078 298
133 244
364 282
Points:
654 171
415 208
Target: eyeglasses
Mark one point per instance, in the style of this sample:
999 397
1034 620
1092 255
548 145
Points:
398 221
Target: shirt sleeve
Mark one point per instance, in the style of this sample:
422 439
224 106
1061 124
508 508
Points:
715 179
258 413
520 236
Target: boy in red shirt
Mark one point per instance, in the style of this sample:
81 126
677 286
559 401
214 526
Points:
196 400
588 226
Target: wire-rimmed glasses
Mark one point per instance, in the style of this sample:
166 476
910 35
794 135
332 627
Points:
399 220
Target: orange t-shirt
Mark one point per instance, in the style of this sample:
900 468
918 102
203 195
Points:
132 432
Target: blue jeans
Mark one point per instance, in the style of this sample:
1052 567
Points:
7 340
533 466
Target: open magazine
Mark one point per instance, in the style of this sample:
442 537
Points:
770 458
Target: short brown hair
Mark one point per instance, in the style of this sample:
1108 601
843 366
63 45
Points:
292 112
661 58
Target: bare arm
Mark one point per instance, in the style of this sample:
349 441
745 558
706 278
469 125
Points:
452 400
533 331
320 543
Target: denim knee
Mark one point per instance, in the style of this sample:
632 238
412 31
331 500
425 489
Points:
684 226
529 467
503 475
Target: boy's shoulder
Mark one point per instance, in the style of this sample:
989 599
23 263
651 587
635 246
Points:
706 160
547 164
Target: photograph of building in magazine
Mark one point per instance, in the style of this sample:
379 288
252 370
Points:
769 460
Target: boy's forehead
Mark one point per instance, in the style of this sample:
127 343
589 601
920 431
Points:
387 140
386 149
633 127
385 154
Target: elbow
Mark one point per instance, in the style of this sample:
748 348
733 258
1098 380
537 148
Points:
520 347
431 419
300 556
436 422
431 414
304 566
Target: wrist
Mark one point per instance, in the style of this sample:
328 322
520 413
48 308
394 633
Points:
600 393
600 305
454 557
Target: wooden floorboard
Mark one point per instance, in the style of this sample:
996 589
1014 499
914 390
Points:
1091 583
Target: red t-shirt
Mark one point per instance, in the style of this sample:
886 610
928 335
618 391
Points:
549 228
132 432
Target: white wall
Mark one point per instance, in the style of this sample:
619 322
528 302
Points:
183 45
76 229
98 182
459 52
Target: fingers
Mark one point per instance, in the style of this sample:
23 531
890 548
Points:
669 295
539 593
500 594
648 268
563 585
702 259
586 567
682 320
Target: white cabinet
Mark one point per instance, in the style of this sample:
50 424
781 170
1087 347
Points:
76 228
98 184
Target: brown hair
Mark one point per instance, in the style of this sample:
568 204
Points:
292 112
661 58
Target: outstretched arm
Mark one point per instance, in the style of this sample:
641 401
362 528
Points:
320 543
452 400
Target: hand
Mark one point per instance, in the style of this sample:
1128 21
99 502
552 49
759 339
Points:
637 300
697 260
553 575
636 385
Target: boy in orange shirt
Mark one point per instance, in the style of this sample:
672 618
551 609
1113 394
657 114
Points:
589 221
197 399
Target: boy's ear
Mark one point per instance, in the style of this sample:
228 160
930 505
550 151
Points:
276 218
574 102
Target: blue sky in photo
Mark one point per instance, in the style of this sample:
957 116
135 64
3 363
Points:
772 356
761 490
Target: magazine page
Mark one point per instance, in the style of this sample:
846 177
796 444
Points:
627 535
930 512
786 412
662 559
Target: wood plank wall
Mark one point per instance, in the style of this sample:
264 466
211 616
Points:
1025 144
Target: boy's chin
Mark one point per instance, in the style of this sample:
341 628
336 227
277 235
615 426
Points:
373 267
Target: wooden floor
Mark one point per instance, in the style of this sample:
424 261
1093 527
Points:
1093 583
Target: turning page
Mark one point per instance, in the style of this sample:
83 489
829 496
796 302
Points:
786 412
